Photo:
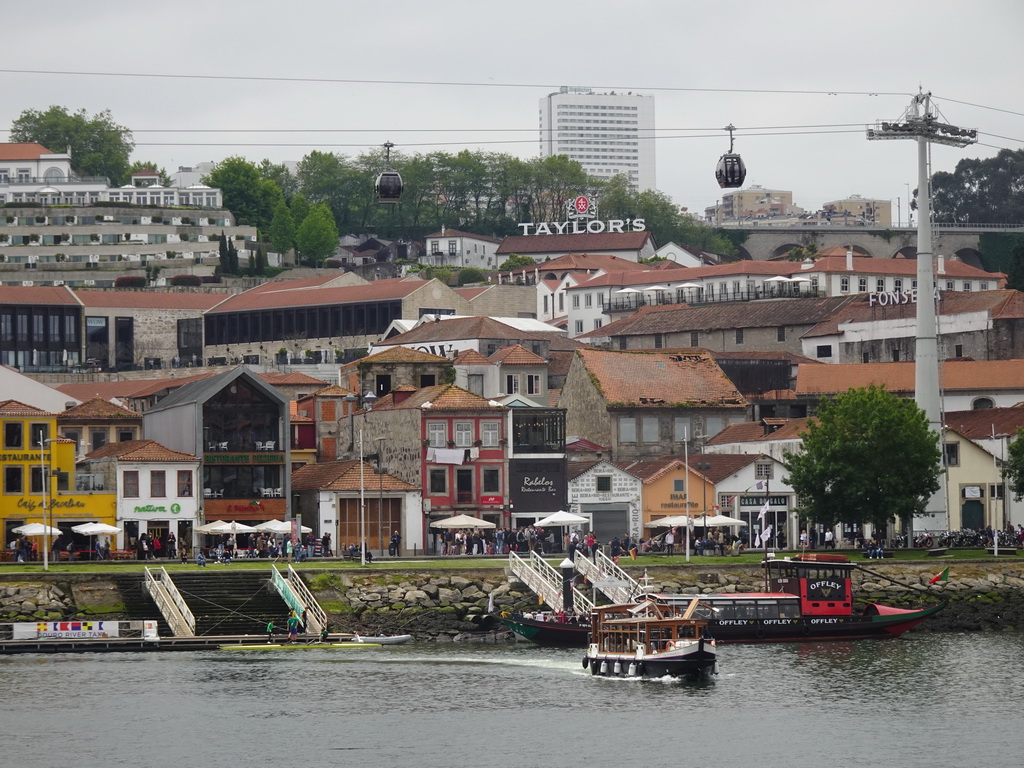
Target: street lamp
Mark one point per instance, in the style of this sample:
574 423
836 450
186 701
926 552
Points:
46 489
350 399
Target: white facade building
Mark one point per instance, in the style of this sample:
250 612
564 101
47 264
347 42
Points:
607 133
452 248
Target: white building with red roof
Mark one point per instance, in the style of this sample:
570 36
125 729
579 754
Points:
458 249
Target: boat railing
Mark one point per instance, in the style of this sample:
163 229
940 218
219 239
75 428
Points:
170 602
608 577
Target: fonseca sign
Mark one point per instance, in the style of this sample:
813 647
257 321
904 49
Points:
892 298
581 219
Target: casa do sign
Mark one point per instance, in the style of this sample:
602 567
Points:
582 219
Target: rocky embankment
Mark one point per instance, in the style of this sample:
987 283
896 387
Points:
453 606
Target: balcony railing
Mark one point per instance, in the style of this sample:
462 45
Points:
633 302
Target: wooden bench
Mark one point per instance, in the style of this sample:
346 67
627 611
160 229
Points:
938 552
1002 551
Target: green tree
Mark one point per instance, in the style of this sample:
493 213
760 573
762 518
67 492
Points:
868 457
247 195
145 165
99 146
281 176
282 229
1015 272
982 191
317 238
516 261
299 207
1013 467
469 275
801 252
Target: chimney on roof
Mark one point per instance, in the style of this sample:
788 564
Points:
69 405
849 259
401 394
940 266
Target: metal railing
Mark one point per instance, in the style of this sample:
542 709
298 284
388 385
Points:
545 581
299 599
170 602
607 577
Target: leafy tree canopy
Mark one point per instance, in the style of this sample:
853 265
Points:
868 457
249 196
282 229
99 146
516 261
983 191
317 238
1013 467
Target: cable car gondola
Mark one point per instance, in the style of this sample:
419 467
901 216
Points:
730 171
389 186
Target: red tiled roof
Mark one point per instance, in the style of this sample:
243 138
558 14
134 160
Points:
649 470
472 291
317 291
976 375
97 409
999 304
516 354
754 431
470 357
716 467
581 444
396 355
149 299
28 150
467 328
582 262
442 397
980 424
17 408
345 476
659 380
139 450
275 378
606 241
36 294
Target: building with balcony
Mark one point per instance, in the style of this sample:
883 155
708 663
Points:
40 483
538 478
457 249
239 427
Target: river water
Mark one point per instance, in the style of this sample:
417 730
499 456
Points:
925 700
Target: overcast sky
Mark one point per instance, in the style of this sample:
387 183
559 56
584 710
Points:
695 57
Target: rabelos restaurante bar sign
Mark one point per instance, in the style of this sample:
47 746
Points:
581 219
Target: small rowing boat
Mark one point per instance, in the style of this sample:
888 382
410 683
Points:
297 646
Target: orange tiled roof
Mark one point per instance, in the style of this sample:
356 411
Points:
516 354
396 355
980 424
474 327
25 150
442 397
659 381
969 375
582 262
275 378
345 476
139 450
470 357
332 390
36 294
149 299
754 431
606 241
18 408
98 409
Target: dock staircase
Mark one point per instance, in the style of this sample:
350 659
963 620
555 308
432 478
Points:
296 594
161 589
608 578
546 582
230 602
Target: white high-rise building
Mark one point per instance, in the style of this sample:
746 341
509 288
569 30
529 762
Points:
607 133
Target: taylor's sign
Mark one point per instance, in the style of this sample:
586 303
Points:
581 219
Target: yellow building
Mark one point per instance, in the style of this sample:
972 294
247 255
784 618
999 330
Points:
665 491
38 483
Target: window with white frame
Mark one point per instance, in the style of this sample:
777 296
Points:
511 383
588 299
880 285
490 433
764 470
897 284
157 483
578 326
967 286
533 384
862 285
463 434
575 301
437 434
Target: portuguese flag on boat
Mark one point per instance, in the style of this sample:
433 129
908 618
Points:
944 576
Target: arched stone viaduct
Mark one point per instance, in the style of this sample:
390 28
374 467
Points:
767 242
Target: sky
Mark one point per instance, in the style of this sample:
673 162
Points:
449 75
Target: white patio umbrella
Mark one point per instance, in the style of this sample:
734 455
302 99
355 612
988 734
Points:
233 527
718 520
281 526
777 279
669 522
690 285
462 521
36 529
800 280
93 529
561 518
656 288
209 527
629 290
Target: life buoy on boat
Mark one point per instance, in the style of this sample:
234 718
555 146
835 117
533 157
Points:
759 633
805 630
